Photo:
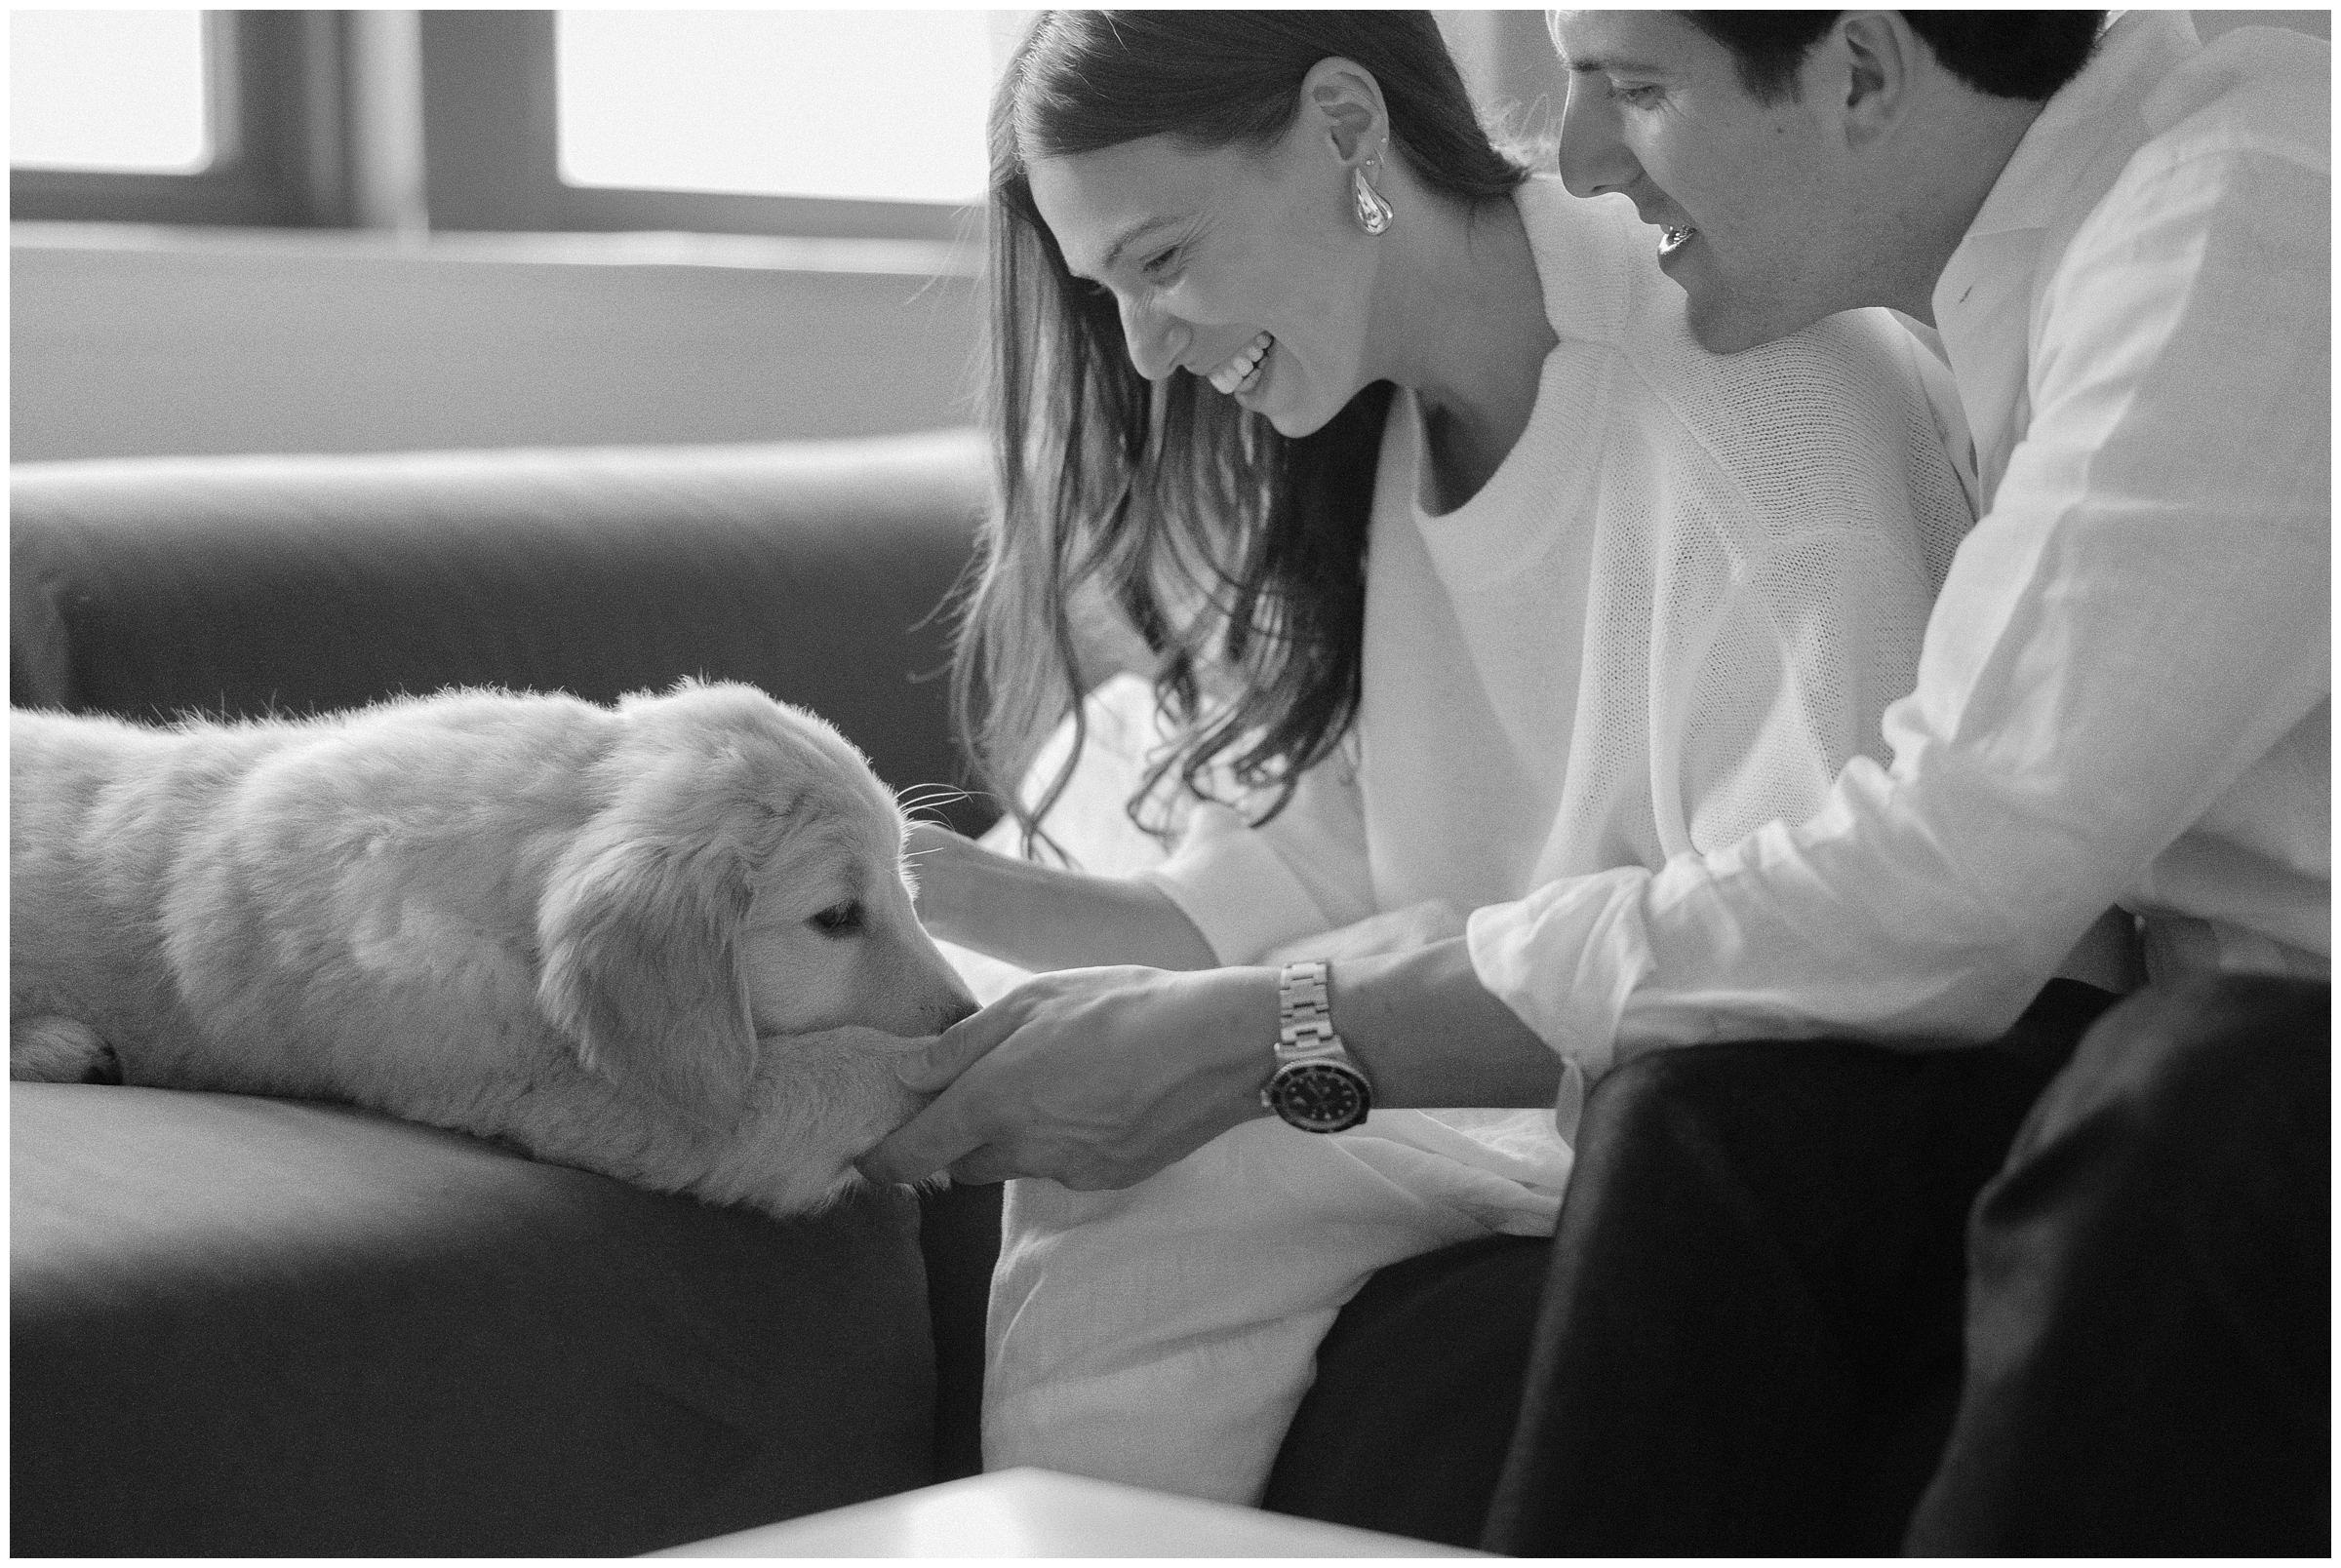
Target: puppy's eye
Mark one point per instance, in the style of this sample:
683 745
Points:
839 920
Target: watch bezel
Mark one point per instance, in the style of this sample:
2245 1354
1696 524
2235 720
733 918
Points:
1276 1098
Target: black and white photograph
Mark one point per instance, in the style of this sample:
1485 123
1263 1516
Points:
1174 783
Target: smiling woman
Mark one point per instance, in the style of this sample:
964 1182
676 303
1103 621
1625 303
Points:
1270 313
1226 531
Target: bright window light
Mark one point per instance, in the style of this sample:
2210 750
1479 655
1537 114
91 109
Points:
882 105
112 90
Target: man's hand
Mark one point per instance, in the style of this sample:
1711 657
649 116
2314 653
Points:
1092 1078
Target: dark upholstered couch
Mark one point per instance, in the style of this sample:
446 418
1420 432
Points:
248 1327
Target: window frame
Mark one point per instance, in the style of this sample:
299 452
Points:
295 154
274 88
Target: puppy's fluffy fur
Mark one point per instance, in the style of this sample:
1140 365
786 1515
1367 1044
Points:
624 940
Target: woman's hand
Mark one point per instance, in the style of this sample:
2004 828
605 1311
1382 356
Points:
1093 1079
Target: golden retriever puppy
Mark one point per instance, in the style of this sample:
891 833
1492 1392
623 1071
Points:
629 940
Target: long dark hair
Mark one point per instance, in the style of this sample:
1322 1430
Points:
1237 554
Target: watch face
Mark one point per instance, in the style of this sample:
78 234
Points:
1320 1097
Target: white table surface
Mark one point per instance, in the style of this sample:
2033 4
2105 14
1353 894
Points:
1041 1513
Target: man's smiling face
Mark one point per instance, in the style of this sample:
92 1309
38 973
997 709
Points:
1744 192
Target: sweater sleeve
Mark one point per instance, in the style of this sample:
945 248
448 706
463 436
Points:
1790 594
1250 888
1817 637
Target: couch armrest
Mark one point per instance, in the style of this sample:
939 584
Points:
157 587
244 1326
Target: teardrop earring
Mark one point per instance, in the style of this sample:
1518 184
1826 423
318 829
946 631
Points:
1374 215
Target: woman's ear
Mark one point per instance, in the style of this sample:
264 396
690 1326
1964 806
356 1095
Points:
1345 102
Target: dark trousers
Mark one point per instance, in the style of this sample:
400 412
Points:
1752 1334
1417 1388
2149 1350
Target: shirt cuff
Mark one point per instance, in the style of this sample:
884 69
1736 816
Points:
1565 960
1238 892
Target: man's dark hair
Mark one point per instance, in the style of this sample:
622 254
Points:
2007 54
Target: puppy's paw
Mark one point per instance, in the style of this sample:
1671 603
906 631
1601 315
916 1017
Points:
59 1050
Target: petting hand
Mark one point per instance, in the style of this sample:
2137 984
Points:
1095 1078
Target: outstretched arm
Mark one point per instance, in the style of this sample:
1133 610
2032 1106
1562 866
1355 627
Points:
1100 1078
1043 917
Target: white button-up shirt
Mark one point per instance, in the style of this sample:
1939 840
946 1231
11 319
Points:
2125 693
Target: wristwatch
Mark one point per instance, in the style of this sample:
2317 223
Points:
1317 1087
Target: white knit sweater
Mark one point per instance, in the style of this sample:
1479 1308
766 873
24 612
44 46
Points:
1675 612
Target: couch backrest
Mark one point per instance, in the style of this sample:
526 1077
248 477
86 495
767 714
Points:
237 587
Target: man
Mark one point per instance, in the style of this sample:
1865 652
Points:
1763 1288
1751 1335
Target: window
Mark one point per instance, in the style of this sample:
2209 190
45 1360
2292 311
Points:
127 91
493 99
174 116
751 122
846 105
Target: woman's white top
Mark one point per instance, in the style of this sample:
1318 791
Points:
1673 614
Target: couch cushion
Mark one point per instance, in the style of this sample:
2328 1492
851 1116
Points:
239 586
250 1326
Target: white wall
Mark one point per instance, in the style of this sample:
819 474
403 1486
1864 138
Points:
221 342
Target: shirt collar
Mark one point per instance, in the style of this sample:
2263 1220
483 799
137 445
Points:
2058 155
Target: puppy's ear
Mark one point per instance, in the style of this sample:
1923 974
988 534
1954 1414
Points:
641 967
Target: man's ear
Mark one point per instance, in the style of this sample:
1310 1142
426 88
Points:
1344 101
1870 64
